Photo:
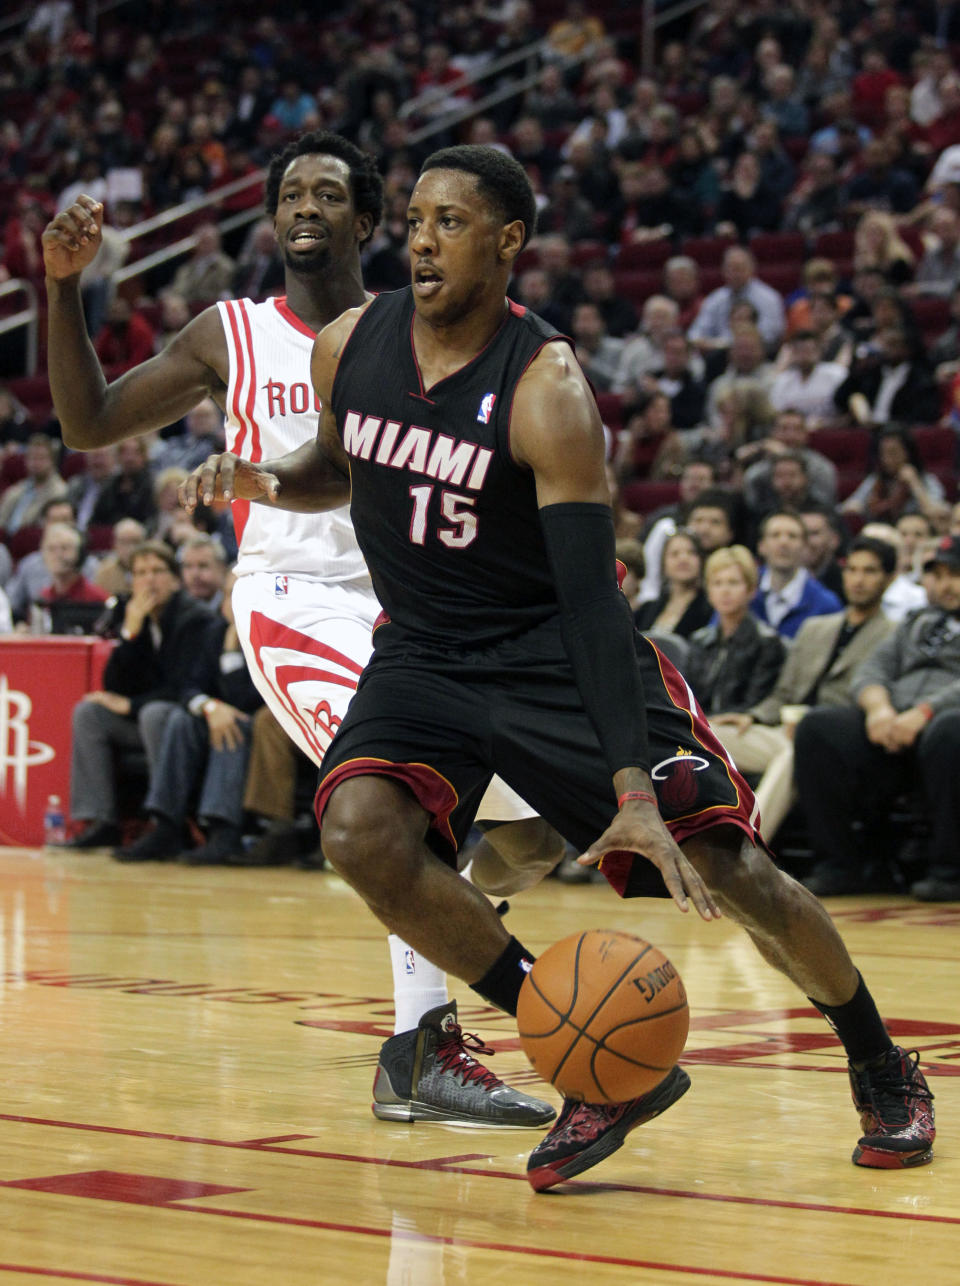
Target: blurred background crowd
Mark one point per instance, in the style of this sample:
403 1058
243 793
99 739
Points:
749 223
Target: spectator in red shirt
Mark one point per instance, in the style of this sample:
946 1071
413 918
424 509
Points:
62 552
870 85
125 340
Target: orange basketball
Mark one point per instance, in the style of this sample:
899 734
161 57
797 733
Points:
603 1016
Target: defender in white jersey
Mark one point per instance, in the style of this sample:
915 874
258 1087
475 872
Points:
303 602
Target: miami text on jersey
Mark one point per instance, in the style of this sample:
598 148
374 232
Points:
423 451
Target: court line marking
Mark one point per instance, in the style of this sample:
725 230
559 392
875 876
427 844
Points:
455 1166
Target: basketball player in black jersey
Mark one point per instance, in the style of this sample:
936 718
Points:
474 450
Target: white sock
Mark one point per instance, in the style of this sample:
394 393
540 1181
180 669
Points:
418 985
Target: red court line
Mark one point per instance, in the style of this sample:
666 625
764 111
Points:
507 1248
78 1277
441 1162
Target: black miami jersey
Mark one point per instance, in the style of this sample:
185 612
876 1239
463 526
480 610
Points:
446 519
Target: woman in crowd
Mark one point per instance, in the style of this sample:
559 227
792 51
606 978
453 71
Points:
682 607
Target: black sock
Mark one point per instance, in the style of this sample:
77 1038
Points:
502 982
858 1024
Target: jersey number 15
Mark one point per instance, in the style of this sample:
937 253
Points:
455 509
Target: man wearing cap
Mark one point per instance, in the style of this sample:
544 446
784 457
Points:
851 764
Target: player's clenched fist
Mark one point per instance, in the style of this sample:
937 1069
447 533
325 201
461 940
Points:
72 239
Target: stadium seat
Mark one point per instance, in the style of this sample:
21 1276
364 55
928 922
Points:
778 248
833 245
584 252
707 251
610 406
637 286
643 497
644 254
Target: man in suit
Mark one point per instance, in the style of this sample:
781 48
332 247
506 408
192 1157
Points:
890 384
22 504
817 671
903 732
145 680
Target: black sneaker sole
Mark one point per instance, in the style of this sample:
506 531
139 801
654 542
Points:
671 1088
883 1159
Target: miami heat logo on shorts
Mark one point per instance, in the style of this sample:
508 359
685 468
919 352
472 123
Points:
676 779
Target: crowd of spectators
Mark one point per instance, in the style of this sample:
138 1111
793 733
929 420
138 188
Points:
755 248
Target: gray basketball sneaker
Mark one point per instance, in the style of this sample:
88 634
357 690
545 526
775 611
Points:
430 1074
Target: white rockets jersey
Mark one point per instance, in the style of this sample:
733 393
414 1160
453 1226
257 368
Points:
272 409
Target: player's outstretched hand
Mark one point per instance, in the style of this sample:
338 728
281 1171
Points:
227 477
72 238
639 828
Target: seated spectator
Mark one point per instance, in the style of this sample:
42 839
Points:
207 742
835 338
817 672
905 593
789 434
208 273
597 352
783 104
174 315
734 661
84 489
788 594
650 207
711 327
630 554
877 244
203 436
63 553
898 484
675 376
711 518
745 204
878 185
599 288
886 383
681 606
694 177
938 273
115 573
747 368
681 283
814 205
643 437
567 211
129 493
851 764
807 384
819 276
145 679
825 536
696 476
22 504
643 352
203 569
125 340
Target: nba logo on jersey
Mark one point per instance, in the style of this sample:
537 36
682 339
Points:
409 961
280 586
486 408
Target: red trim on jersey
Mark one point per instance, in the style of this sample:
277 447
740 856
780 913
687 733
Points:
433 792
240 509
382 619
616 866
288 315
268 633
518 310
256 446
474 358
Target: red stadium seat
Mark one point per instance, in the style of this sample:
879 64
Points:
833 245
584 252
644 497
637 286
644 254
778 247
707 251
610 406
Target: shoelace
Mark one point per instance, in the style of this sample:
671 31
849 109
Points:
890 1081
454 1054
585 1119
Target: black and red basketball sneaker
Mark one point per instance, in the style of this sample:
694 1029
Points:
896 1111
431 1074
585 1133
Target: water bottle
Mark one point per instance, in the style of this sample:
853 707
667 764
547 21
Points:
54 823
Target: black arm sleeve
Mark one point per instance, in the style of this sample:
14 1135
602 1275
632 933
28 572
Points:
598 629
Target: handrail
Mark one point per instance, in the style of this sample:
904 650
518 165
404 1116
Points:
652 21
414 105
174 212
28 317
177 248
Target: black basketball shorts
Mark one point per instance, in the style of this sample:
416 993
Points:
443 722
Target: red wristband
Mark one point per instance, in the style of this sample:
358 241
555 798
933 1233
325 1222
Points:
636 794
926 710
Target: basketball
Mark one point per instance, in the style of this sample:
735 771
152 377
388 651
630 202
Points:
603 1016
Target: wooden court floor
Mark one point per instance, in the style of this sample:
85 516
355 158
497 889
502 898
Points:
187 1058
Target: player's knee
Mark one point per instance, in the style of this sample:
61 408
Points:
371 829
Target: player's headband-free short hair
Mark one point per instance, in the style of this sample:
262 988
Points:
365 181
501 180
